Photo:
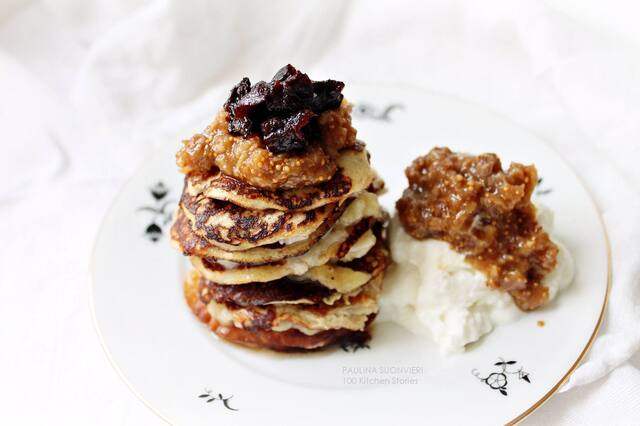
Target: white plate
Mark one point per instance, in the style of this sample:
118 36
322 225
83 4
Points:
170 360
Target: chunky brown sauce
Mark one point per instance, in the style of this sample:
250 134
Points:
485 213
249 160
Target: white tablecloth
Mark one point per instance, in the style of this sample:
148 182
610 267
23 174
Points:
87 89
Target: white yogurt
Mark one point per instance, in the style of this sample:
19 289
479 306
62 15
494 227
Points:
431 290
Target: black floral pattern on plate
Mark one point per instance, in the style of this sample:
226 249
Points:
354 346
160 209
209 397
499 379
540 189
373 112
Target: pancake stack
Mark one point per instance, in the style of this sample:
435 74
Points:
285 269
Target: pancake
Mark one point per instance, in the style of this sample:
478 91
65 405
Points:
347 240
326 250
343 277
283 290
289 340
234 228
354 175
351 314
292 290
191 244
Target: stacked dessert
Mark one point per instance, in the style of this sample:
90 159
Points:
280 218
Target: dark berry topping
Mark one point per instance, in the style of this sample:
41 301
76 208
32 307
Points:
283 111
327 95
285 134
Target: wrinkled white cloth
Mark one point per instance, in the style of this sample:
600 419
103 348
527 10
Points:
89 88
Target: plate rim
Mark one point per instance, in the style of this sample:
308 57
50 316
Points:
593 336
105 348
386 84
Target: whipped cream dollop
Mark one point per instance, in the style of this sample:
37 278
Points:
431 290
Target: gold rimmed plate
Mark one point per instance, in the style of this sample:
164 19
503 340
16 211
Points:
188 376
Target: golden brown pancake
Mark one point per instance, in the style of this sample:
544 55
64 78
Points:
315 261
354 175
350 312
343 274
283 290
294 303
346 241
290 340
286 341
235 228
191 244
